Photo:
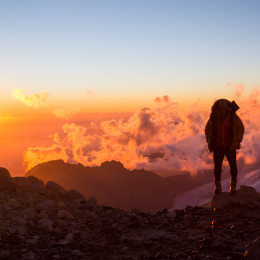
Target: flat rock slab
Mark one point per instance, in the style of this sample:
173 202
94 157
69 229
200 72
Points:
244 196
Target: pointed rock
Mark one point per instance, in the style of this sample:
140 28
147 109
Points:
54 187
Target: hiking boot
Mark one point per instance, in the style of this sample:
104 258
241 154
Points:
218 187
233 185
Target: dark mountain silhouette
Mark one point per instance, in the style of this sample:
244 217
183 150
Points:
114 185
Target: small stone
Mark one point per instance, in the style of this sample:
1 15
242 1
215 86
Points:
229 258
12 230
22 231
42 216
60 204
33 240
6 207
49 203
20 221
30 202
30 256
40 206
30 212
63 242
77 252
12 203
30 223
46 224
171 215
63 214
134 225
69 237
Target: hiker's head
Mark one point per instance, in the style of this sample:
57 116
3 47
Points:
224 108
223 104
221 107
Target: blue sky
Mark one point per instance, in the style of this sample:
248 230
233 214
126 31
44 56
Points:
186 49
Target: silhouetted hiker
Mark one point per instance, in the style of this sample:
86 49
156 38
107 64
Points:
224 132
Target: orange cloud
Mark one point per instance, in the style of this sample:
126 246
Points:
37 155
36 100
136 141
163 99
64 113
161 139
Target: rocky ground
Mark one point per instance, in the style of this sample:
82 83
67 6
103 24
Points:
40 221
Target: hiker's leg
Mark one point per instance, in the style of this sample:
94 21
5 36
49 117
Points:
231 157
218 156
232 160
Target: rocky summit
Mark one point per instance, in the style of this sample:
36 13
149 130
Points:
39 221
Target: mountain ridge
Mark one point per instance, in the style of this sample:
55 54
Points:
114 185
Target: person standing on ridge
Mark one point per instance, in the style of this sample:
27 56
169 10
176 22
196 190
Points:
224 132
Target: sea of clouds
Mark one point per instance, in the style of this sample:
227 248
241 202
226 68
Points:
163 139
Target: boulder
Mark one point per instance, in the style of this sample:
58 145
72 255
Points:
5 179
171 215
64 214
46 224
245 196
4 174
30 212
28 184
54 187
73 195
69 237
45 204
36 181
13 203
248 195
92 201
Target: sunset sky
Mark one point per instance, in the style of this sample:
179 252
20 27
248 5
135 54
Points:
62 62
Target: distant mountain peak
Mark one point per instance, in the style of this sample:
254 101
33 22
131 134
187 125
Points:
115 165
49 163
